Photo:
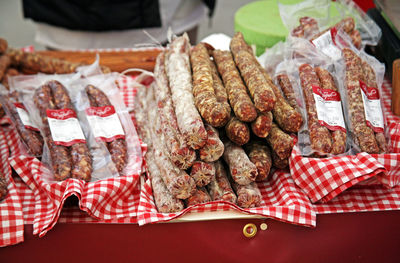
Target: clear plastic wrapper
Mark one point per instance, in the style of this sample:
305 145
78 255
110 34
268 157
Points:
361 93
313 18
317 98
115 131
98 161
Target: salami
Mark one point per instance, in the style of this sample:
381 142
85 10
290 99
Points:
370 81
240 101
260 155
219 188
3 45
320 137
219 89
3 187
200 196
278 162
214 147
308 27
202 173
180 153
242 170
364 136
280 142
237 131
178 182
179 74
260 90
31 138
205 100
286 116
117 148
287 89
338 136
164 200
248 196
5 62
80 155
60 155
262 125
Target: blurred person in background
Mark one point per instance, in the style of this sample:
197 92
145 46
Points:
85 24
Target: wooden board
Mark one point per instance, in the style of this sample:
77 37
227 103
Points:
116 60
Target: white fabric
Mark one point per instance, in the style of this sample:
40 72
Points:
180 15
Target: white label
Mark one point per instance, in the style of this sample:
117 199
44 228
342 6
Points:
326 44
372 107
64 127
105 123
329 108
24 116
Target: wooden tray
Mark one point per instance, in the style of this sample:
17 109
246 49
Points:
116 60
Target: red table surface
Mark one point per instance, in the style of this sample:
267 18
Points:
352 237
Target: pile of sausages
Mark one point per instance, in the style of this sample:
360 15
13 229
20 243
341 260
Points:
218 125
308 28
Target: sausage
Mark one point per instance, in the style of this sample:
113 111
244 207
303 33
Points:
286 116
370 81
260 155
219 89
80 155
237 131
262 125
248 196
9 73
59 154
287 89
117 148
5 62
202 173
214 147
32 139
164 200
242 170
3 187
278 162
178 182
179 74
205 100
320 137
3 45
200 196
280 142
180 153
338 136
363 136
308 27
240 101
219 188
260 90
356 38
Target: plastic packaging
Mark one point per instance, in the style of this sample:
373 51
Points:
106 84
101 165
323 101
312 18
362 77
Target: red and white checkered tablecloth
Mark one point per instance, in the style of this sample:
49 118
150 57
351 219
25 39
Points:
324 178
283 199
11 216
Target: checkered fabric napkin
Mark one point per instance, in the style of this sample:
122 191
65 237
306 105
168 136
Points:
11 217
282 200
324 178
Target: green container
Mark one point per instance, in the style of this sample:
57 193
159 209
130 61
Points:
261 24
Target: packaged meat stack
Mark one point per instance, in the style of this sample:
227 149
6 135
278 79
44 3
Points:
361 90
70 148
